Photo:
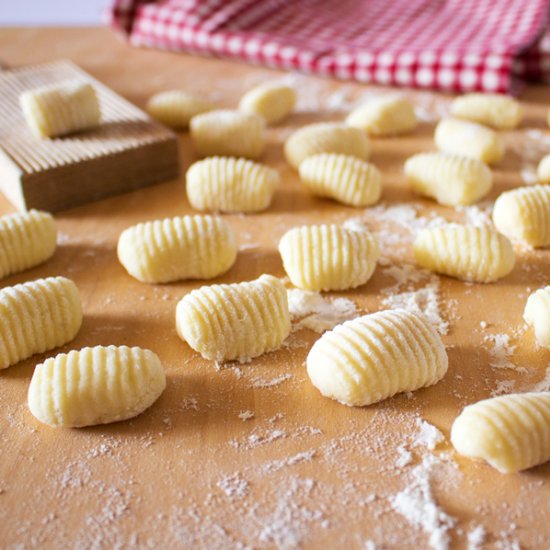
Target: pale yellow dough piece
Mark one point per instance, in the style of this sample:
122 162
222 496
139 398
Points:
175 108
496 110
36 317
187 247
344 178
328 257
384 116
227 184
537 315
325 137
467 252
228 133
543 170
469 139
523 214
59 109
451 180
272 101
95 385
510 432
376 356
26 240
237 321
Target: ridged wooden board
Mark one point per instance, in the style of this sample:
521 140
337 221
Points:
127 151
304 471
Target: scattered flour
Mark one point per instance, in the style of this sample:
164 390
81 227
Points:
504 387
477 214
234 485
261 383
275 465
501 351
428 435
246 415
544 384
404 457
476 538
317 313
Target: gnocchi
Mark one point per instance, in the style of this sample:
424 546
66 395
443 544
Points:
228 133
524 214
235 322
543 170
26 240
468 139
376 356
451 180
347 179
272 101
187 247
496 110
328 257
510 432
227 184
467 252
36 317
325 137
176 108
384 116
95 385
60 109
537 315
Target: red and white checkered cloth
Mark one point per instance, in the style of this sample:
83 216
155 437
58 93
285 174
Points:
456 45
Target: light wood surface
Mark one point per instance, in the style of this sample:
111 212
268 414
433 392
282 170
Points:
304 471
127 151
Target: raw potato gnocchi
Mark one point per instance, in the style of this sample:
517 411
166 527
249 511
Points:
510 432
451 180
272 101
468 139
543 170
36 317
524 214
26 240
328 257
325 137
537 315
176 108
59 109
466 252
188 247
344 178
384 116
376 356
95 385
227 184
496 110
237 321
228 133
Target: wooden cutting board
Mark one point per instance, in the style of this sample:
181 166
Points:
252 455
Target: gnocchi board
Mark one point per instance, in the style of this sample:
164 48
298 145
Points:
127 151
303 471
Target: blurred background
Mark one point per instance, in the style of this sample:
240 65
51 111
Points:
51 12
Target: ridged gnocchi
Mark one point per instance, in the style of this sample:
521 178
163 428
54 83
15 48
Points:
451 180
467 252
524 214
36 317
543 170
468 139
496 110
510 432
272 101
235 322
376 356
384 116
325 137
187 247
95 385
60 109
26 240
227 184
344 178
328 257
175 108
228 133
537 315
